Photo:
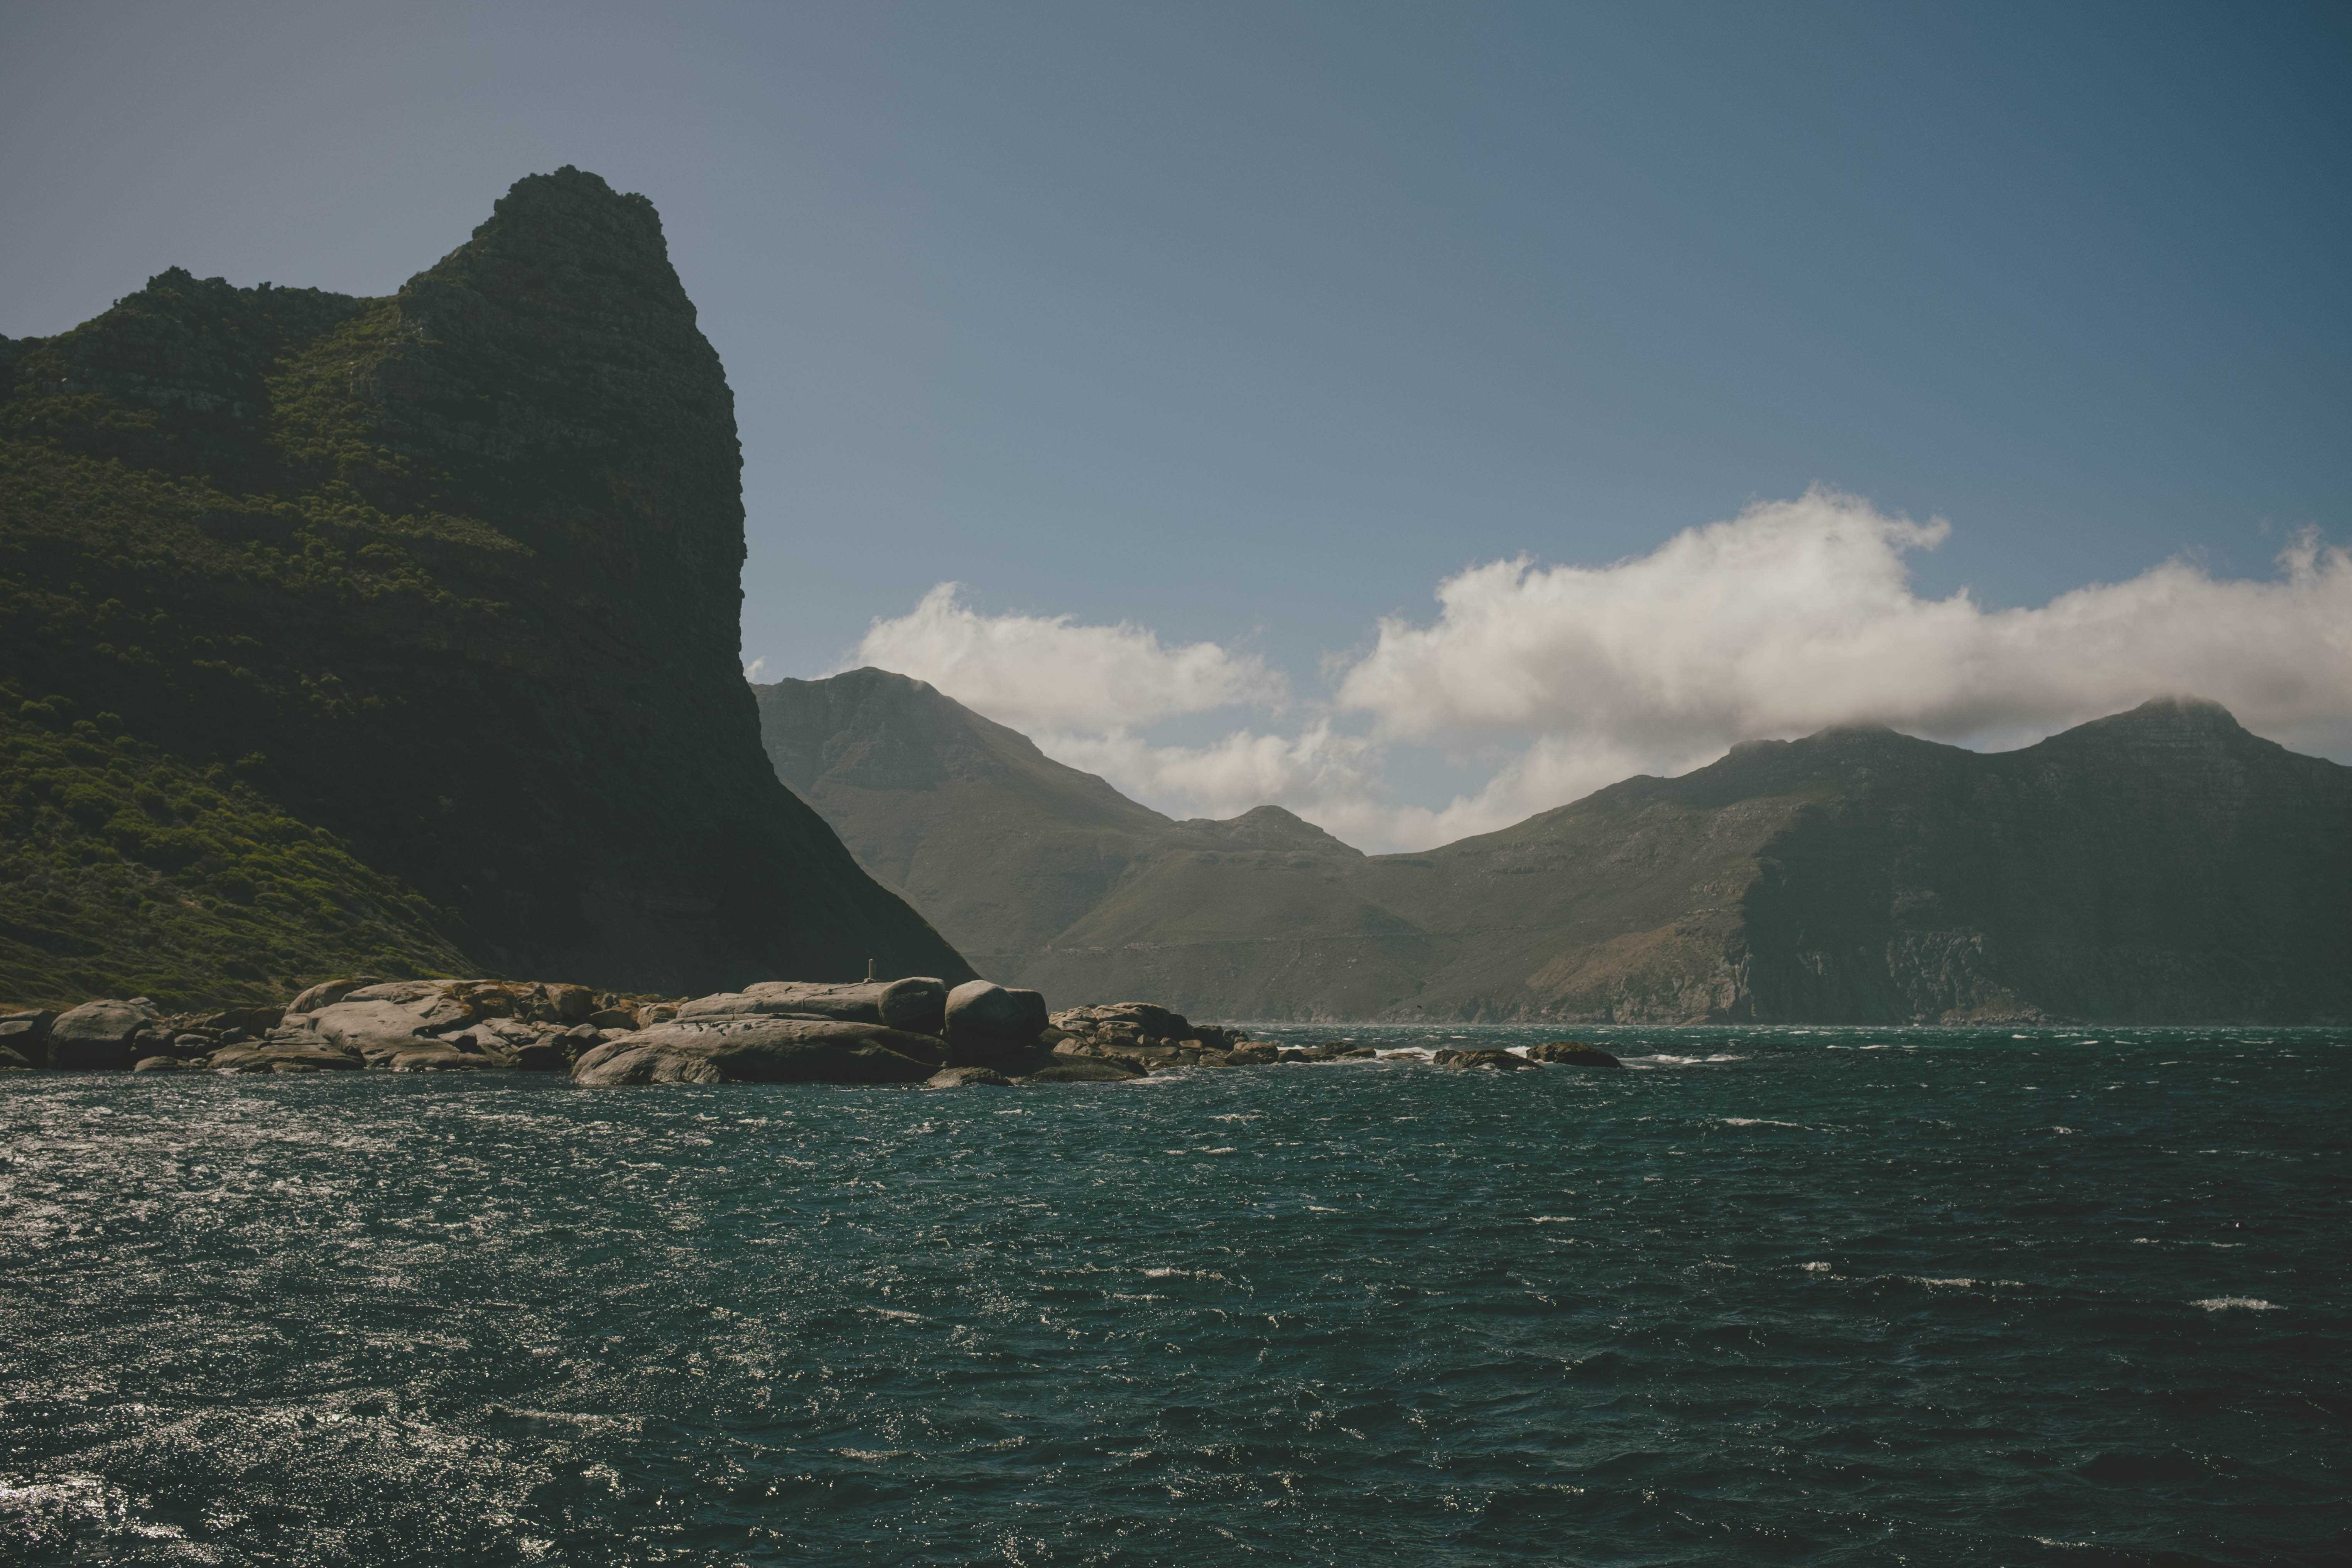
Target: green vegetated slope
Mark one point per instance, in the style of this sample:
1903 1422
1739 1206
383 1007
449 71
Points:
2163 864
416 621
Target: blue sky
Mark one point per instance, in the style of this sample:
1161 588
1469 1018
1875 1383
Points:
1248 326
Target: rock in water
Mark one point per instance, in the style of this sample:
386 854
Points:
97 1034
762 1050
1572 1054
967 1078
1085 1069
1483 1060
988 1024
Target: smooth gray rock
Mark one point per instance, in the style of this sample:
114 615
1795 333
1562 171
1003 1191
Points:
329 991
987 1022
14 1061
373 1028
159 1064
98 1035
762 1050
918 1005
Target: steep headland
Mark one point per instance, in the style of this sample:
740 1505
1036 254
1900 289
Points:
2159 865
398 634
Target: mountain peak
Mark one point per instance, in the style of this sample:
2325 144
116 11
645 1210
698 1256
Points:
573 214
1268 828
2165 722
2182 708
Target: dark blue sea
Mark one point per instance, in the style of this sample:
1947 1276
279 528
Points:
1771 1296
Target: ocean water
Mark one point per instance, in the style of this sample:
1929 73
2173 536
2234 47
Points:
1778 1295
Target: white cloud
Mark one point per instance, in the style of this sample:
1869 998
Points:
1789 618
1230 775
1799 615
756 669
1041 672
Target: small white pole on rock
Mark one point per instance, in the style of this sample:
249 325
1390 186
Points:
869 969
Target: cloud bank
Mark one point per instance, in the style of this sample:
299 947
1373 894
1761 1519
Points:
1791 617
1037 672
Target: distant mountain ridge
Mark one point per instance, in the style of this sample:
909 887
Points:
2159 865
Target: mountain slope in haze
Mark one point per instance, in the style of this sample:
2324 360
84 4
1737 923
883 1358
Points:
1000 845
398 633
2159 865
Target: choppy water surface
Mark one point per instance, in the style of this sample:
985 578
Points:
1787 1295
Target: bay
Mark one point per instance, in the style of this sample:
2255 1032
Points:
1838 1296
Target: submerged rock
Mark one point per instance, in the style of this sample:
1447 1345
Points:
1085 1069
967 1078
285 1056
763 1050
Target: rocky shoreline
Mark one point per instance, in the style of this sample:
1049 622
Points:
911 1031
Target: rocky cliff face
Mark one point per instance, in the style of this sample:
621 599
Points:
2161 865
446 585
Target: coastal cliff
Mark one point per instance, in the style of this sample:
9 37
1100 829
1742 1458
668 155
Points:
2158 866
398 634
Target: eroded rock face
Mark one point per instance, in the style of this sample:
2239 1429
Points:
763 1050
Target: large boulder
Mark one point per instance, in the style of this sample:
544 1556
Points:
327 992
26 1033
98 1035
987 1023
762 1050
374 1030
917 1004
